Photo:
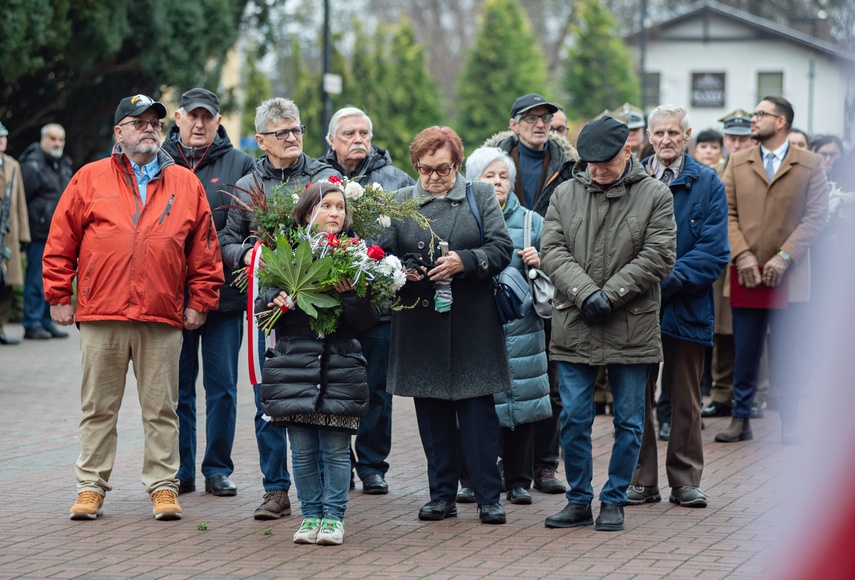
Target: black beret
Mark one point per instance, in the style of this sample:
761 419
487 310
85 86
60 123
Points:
601 140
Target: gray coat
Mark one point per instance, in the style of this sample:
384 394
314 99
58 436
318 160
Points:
459 354
236 240
623 241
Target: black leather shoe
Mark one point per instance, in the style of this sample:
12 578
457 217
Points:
6 339
220 485
664 431
186 487
55 332
717 410
545 481
437 509
466 495
688 496
573 515
610 518
641 494
36 333
519 496
492 513
374 484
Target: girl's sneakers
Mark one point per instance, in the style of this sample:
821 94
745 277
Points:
331 534
308 532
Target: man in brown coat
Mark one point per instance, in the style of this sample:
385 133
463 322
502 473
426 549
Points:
777 198
17 231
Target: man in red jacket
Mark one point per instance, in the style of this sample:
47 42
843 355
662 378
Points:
134 229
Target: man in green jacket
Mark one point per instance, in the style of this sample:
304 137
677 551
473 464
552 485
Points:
609 238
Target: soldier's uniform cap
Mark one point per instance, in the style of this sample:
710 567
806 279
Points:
530 101
136 106
737 122
3 130
601 140
629 114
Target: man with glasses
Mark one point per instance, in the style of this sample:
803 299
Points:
199 142
543 163
354 155
558 127
280 135
46 171
777 206
134 230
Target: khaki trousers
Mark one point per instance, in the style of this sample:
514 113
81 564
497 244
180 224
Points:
684 462
107 348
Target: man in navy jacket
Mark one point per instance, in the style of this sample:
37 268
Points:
688 311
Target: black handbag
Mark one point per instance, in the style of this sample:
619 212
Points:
513 299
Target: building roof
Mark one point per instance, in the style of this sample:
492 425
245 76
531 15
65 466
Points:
761 25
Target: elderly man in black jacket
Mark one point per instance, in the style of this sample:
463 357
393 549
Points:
199 142
46 171
354 155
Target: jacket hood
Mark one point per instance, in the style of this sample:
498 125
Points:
119 158
207 155
376 159
511 205
304 166
634 174
507 140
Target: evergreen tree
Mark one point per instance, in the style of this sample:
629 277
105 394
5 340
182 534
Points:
599 72
504 63
256 89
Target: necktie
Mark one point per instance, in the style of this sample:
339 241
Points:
770 166
667 176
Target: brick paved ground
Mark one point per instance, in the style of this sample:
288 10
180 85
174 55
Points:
39 411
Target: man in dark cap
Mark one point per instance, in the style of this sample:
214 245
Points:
199 142
609 238
544 160
135 230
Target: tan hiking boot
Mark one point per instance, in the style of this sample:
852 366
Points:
738 430
166 505
88 506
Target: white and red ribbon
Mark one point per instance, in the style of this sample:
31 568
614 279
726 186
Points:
253 345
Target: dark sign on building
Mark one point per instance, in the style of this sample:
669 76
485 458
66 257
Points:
708 90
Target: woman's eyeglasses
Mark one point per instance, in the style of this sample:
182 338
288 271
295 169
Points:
441 171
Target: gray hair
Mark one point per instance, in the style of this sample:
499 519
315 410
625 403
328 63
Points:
50 126
669 111
273 110
482 157
347 112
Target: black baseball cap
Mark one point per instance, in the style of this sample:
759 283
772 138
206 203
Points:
601 140
195 98
136 106
530 101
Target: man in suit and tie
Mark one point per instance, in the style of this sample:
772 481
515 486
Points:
777 198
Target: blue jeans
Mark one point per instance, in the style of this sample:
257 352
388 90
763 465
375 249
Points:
628 383
374 438
36 308
272 442
220 337
321 497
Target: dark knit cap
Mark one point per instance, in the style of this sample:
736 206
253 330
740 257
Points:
601 140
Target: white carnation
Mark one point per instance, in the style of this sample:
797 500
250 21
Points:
390 264
377 186
353 190
384 221
399 279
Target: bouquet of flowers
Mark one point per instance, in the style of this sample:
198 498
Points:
837 198
307 265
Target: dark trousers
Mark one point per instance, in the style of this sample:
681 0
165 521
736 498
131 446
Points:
517 454
479 425
681 371
374 437
787 329
545 431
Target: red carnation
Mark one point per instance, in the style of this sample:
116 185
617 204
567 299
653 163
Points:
334 180
333 241
375 253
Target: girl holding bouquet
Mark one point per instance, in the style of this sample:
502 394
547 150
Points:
315 385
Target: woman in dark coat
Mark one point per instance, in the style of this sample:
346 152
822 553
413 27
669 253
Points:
451 359
317 386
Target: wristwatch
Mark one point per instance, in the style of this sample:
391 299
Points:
786 257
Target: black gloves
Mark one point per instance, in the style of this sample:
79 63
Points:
595 307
